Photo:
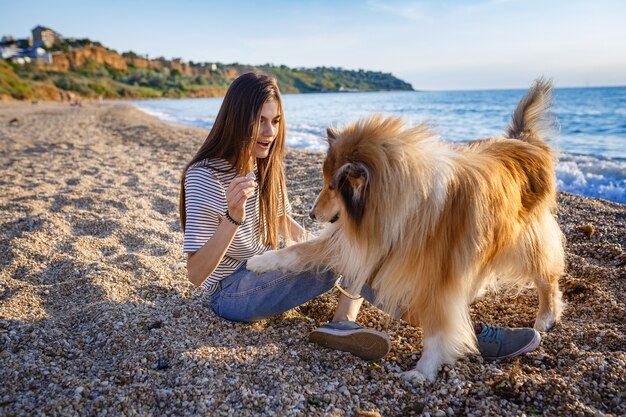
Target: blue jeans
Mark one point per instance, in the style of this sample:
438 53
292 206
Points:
247 296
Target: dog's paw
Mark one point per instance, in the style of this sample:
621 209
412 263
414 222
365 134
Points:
414 377
545 322
263 263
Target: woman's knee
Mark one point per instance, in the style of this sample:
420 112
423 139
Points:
224 311
238 316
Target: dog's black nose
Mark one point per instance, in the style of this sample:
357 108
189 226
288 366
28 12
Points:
312 215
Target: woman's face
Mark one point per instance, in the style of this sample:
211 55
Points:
268 128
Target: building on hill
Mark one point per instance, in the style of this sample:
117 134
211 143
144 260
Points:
26 55
10 51
38 55
45 37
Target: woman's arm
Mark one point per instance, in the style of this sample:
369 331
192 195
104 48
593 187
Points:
203 262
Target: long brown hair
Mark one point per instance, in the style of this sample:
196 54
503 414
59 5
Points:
233 137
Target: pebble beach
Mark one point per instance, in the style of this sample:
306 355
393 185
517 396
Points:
97 316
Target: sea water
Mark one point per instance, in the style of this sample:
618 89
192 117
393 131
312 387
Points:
590 139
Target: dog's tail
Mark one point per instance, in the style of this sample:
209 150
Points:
532 119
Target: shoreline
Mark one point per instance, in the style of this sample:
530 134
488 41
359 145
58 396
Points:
96 314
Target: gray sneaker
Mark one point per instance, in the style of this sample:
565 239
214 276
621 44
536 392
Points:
348 336
503 342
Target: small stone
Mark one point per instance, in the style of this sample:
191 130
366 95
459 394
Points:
440 413
161 364
414 408
314 400
5 354
157 324
587 229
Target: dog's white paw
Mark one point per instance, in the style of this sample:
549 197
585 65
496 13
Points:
545 322
414 376
269 261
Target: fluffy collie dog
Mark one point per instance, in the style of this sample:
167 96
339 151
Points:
430 225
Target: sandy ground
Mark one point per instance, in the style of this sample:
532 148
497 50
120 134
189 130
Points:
97 318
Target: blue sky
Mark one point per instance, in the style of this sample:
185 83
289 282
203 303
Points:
434 45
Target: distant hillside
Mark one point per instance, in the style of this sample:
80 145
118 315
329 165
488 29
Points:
88 69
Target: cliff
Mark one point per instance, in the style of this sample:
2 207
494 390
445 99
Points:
95 71
75 59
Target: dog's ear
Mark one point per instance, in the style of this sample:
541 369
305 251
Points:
331 135
351 181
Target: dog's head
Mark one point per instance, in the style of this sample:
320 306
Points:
345 190
357 163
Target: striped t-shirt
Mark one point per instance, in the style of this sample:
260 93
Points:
206 183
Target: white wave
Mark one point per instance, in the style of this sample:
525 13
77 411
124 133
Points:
593 177
159 114
309 142
304 136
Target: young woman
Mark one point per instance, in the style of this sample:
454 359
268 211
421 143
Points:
234 205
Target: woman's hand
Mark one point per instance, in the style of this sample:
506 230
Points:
239 190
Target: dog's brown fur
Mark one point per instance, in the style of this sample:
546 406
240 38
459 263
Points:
429 225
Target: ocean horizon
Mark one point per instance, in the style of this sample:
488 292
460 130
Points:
590 124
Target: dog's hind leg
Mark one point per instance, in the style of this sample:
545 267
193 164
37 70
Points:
547 263
550 302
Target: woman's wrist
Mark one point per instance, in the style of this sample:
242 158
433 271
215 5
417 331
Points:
233 220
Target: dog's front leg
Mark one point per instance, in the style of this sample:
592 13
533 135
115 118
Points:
448 335
274 260
295 258
428 365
